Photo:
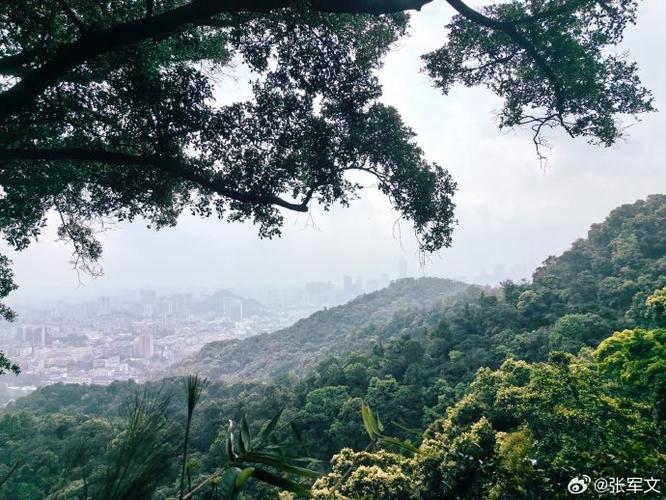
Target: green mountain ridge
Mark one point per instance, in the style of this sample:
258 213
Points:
295 350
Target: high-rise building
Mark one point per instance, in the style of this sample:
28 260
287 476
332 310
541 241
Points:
359 284
147 296
142 346
232 308
319 292
402 267
33 335
348 284
103 305
182 303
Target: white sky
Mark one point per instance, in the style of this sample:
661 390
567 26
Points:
511 212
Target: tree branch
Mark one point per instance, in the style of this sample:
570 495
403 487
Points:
555 11
477 17
95 43
175 167
509 29
9 474
73 17
14 65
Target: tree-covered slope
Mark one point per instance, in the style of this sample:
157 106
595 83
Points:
296 349
611 272
430 357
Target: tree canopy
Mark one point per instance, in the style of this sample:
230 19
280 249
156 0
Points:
522 431
115 110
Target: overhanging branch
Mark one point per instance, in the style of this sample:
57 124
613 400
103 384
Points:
14 65
95 43
174 167
509 29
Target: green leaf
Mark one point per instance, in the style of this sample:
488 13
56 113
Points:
228 484
270 427
244 435
296 431
369 421
306 460
380 426
281 482
243 476
279 463
413 432
230 447
399 443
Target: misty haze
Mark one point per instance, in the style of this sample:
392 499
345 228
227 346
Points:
408 249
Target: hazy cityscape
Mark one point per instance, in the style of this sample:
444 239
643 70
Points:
138 335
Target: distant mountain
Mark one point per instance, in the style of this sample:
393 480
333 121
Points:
338 330
606 276
222 302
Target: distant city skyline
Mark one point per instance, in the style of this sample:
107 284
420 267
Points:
358 284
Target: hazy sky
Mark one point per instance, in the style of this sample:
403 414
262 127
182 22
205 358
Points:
511 211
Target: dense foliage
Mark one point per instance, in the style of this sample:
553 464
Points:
480 384
523 431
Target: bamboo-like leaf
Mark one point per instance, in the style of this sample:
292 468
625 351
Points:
296 431
270 427
279 463
230 447
228 484
243 476
369 421
373 421
245 439
399 443
194 385
306 460
413 432
281 482
380 426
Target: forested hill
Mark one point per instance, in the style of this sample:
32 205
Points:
610 273
598 285
296 349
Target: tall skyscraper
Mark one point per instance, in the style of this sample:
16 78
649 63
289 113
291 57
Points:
233 308
348 284
147 296
402 267
142 347
103 305
33 335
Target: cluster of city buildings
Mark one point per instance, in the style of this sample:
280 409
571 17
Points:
138 336
118 339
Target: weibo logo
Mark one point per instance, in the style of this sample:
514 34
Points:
578 484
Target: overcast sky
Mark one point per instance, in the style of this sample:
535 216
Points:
511 212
